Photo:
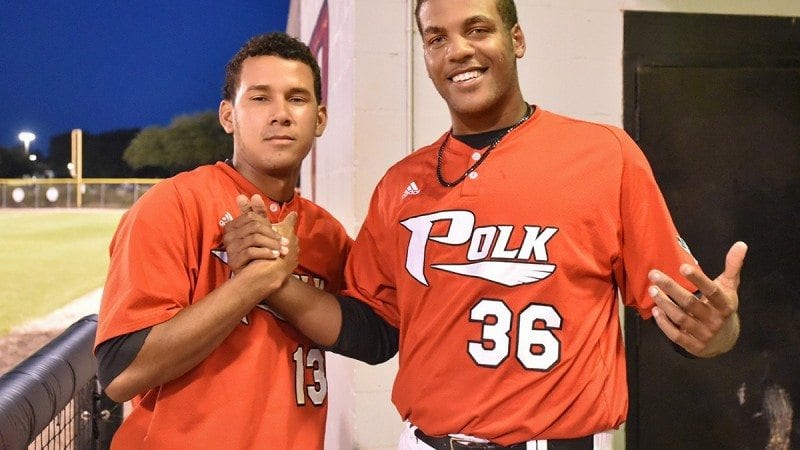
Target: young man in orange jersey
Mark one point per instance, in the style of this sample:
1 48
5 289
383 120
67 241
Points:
206 364
501 267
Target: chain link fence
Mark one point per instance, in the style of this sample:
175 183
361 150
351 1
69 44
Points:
67 193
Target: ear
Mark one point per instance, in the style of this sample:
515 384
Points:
322 120
518 40
226 116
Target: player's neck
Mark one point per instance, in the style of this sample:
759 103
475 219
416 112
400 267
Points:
488 119
279 187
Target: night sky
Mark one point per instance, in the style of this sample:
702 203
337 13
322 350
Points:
102 66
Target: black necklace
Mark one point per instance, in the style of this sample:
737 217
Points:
488 150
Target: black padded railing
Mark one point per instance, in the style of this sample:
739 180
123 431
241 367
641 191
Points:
52 399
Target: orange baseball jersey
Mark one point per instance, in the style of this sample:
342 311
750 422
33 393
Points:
265 385
504 287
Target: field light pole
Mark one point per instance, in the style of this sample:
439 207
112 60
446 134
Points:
26 137
76 163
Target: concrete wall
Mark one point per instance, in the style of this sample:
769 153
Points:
367 131
381 105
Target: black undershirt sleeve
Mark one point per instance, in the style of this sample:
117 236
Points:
116 354
364 336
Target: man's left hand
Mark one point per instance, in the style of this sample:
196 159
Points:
706 326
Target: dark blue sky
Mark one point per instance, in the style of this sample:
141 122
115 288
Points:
102 66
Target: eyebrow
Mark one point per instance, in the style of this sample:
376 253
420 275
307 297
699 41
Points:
480 18
267 87
258 87
477 19
433 30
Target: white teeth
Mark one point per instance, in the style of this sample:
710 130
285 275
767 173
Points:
466 76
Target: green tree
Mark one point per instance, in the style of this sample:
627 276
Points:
102 154
189 141
146 149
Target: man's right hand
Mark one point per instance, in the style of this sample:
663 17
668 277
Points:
255 244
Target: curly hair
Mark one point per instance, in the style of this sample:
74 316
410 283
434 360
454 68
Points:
271 44
506 8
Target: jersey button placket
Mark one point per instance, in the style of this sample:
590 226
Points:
274 212
469 187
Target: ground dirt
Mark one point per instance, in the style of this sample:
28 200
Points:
24 340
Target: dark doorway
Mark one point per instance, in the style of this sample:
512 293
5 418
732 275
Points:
714 102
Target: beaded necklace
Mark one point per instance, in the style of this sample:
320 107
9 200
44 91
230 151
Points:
440 158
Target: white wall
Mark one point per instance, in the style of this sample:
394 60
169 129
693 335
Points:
367 131
382 105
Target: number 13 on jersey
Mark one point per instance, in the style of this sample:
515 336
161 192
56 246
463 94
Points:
313 360
536 349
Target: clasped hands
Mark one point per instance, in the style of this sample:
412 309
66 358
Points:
268 252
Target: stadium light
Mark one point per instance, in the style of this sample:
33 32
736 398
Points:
26 137
32 157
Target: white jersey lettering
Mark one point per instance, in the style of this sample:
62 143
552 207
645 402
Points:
459 232
488 255
481 243
534 242
501 247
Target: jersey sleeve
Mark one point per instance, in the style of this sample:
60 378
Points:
344 246
150 276
649 237
369 272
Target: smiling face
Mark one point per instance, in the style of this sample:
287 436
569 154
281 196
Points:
274 117
470 55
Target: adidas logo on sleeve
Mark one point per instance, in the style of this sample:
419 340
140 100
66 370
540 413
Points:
411 189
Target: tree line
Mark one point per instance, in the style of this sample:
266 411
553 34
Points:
151 152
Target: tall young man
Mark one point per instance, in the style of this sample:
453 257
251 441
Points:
206 364
502 272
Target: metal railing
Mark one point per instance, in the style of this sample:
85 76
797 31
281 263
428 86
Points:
52 400
68 193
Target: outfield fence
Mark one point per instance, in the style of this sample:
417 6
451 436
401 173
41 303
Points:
68 193
53 401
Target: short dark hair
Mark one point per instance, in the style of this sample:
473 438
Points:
271 44
506 8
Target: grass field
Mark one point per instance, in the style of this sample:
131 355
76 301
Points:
50 257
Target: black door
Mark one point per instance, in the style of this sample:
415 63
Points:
714 102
